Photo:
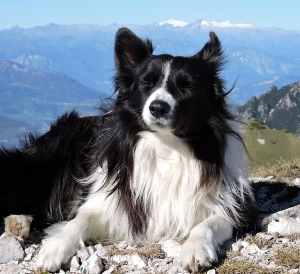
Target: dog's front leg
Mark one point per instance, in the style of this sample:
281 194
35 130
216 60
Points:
200 250
62 241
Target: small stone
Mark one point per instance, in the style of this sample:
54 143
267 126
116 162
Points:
91 249
83 254
171 247
93 265
18 225
294 271
296 181
30 252
110 270
250 249
10 249
284 226
253 249
122 245
10 269
236 247
134 259
212 271
100 251
74 264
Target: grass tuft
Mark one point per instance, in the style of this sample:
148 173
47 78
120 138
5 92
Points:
280 168
243 267
288 257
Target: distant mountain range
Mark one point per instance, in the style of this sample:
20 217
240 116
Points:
256 57
30 99
47 70
11 131
277 108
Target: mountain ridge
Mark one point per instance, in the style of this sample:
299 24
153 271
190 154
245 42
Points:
31 99
258 57
277 108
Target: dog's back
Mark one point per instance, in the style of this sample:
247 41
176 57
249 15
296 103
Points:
34 178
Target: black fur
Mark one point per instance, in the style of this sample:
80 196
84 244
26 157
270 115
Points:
41 178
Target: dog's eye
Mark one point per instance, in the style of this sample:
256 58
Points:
146 84
183 84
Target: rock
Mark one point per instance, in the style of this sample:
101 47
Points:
237 247
93 265
134 260
122 244
100 251
30 252
171 247
284 226
83 253
296 181
74 264
255 250
110 270
10 249
10 269
18 225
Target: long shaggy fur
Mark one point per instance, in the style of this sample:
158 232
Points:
164 161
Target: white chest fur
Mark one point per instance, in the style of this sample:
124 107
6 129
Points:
167 177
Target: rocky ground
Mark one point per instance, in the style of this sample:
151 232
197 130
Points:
273 248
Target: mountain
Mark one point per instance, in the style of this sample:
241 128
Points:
173 23
11 131
30 99
277 108
257 58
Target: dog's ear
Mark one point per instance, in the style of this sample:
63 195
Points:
130 50
212 51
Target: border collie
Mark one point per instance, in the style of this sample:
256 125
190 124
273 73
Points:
164 161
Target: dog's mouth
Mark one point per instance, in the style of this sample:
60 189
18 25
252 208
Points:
160 123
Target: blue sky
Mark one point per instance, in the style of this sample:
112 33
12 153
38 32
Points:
265 13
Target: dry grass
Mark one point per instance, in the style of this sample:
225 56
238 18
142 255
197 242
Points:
149 251
243 267
294 237
260 241
280 168
288 257
38 271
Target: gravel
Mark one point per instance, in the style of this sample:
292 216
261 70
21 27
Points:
275 248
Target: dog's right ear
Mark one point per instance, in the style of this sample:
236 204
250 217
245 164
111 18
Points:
130 50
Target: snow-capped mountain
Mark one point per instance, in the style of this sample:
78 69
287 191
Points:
205 24
223 24
174 23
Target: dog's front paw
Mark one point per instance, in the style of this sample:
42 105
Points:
198 255
53 254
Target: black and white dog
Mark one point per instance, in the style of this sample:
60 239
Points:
165 161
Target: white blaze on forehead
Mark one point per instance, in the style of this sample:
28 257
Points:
166 72
162 94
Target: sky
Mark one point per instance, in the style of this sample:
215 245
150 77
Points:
262 13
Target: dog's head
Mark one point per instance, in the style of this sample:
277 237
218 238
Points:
169 93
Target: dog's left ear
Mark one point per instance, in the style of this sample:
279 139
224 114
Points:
130 50
212 51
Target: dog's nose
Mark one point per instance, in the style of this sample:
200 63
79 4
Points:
159 108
